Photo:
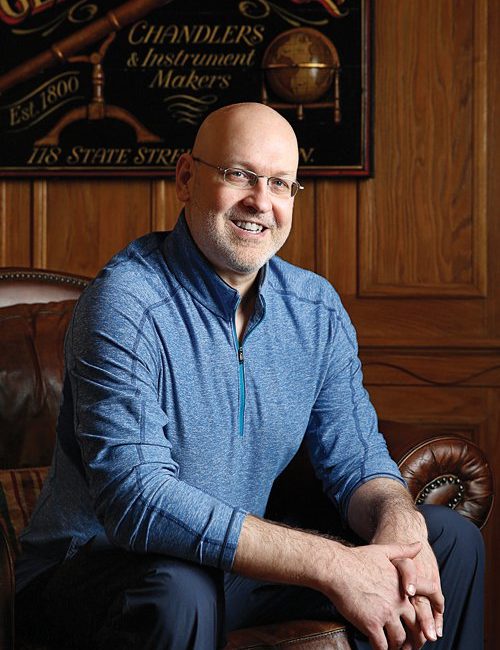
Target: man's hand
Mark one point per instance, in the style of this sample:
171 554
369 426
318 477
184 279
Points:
363 583
420 580
365 587
388 516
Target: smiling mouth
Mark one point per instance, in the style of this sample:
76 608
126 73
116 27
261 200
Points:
249 226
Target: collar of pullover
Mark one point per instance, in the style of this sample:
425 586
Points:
197 276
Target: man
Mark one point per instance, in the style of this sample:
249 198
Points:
196 363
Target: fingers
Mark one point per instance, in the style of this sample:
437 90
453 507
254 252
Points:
396 635
400 551
411 582
425 617
415 638
431 622
438 622
436 600
378 640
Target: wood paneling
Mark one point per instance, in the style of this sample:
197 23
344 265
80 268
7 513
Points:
300 246
425 211
15 223
493 169
436 367
79 224
413 252
336 235
166 206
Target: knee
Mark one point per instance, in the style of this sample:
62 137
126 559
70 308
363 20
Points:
452 533
168 603
179 589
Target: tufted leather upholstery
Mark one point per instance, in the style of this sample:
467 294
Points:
35 309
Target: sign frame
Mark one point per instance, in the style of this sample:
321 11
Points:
100 91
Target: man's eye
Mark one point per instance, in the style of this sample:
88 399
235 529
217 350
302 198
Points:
237 174
280 184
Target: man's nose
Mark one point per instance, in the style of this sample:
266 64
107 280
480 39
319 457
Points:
259 196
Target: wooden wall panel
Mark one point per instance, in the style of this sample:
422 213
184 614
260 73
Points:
166 207
79 224
336 235
435 367
493 168
300 247
15 223
425 211
409 321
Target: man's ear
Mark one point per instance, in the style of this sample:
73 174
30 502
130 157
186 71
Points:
183 174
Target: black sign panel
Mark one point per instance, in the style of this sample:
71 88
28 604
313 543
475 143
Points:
94 87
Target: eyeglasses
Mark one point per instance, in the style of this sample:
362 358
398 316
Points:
243 178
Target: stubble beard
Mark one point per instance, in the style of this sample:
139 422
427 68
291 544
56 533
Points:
242 256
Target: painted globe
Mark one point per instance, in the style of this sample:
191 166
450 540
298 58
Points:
299 65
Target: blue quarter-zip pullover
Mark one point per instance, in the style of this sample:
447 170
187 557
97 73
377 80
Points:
171 430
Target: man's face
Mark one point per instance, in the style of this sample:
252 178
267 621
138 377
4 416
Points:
239 230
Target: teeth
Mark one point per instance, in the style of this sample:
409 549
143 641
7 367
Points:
248 225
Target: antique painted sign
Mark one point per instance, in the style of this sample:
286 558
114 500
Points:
94 87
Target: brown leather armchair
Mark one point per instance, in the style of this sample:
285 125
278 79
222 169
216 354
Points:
35 308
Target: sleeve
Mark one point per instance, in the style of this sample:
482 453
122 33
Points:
113 360
342 437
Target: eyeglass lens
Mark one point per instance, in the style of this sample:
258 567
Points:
243 178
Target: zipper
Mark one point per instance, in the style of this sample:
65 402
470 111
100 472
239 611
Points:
241 361
241 371
241 376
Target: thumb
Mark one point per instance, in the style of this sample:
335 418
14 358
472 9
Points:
400 551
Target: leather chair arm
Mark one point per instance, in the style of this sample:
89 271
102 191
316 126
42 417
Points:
6 594
450 471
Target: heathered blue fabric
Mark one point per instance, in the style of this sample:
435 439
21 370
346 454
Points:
149 451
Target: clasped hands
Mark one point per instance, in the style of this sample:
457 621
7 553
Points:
392 593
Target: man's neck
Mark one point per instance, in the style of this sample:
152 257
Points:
246 286
245 311
243 284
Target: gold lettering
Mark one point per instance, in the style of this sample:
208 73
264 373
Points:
44 156
166 33
163 157
307 154
142 24
98 156
41 5
191 81
142 33
250 34
14 13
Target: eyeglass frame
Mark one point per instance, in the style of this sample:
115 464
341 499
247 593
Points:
254 177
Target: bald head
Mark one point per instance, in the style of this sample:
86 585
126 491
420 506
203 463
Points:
243 133
239 227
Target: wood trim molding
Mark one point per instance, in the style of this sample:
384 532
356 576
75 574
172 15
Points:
431 367
158 205
40 212
3 223
165 205
480 143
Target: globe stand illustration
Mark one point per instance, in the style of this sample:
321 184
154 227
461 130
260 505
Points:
301 66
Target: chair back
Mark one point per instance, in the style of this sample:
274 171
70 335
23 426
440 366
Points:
35 310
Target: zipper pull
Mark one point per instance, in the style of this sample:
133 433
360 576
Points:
240 354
